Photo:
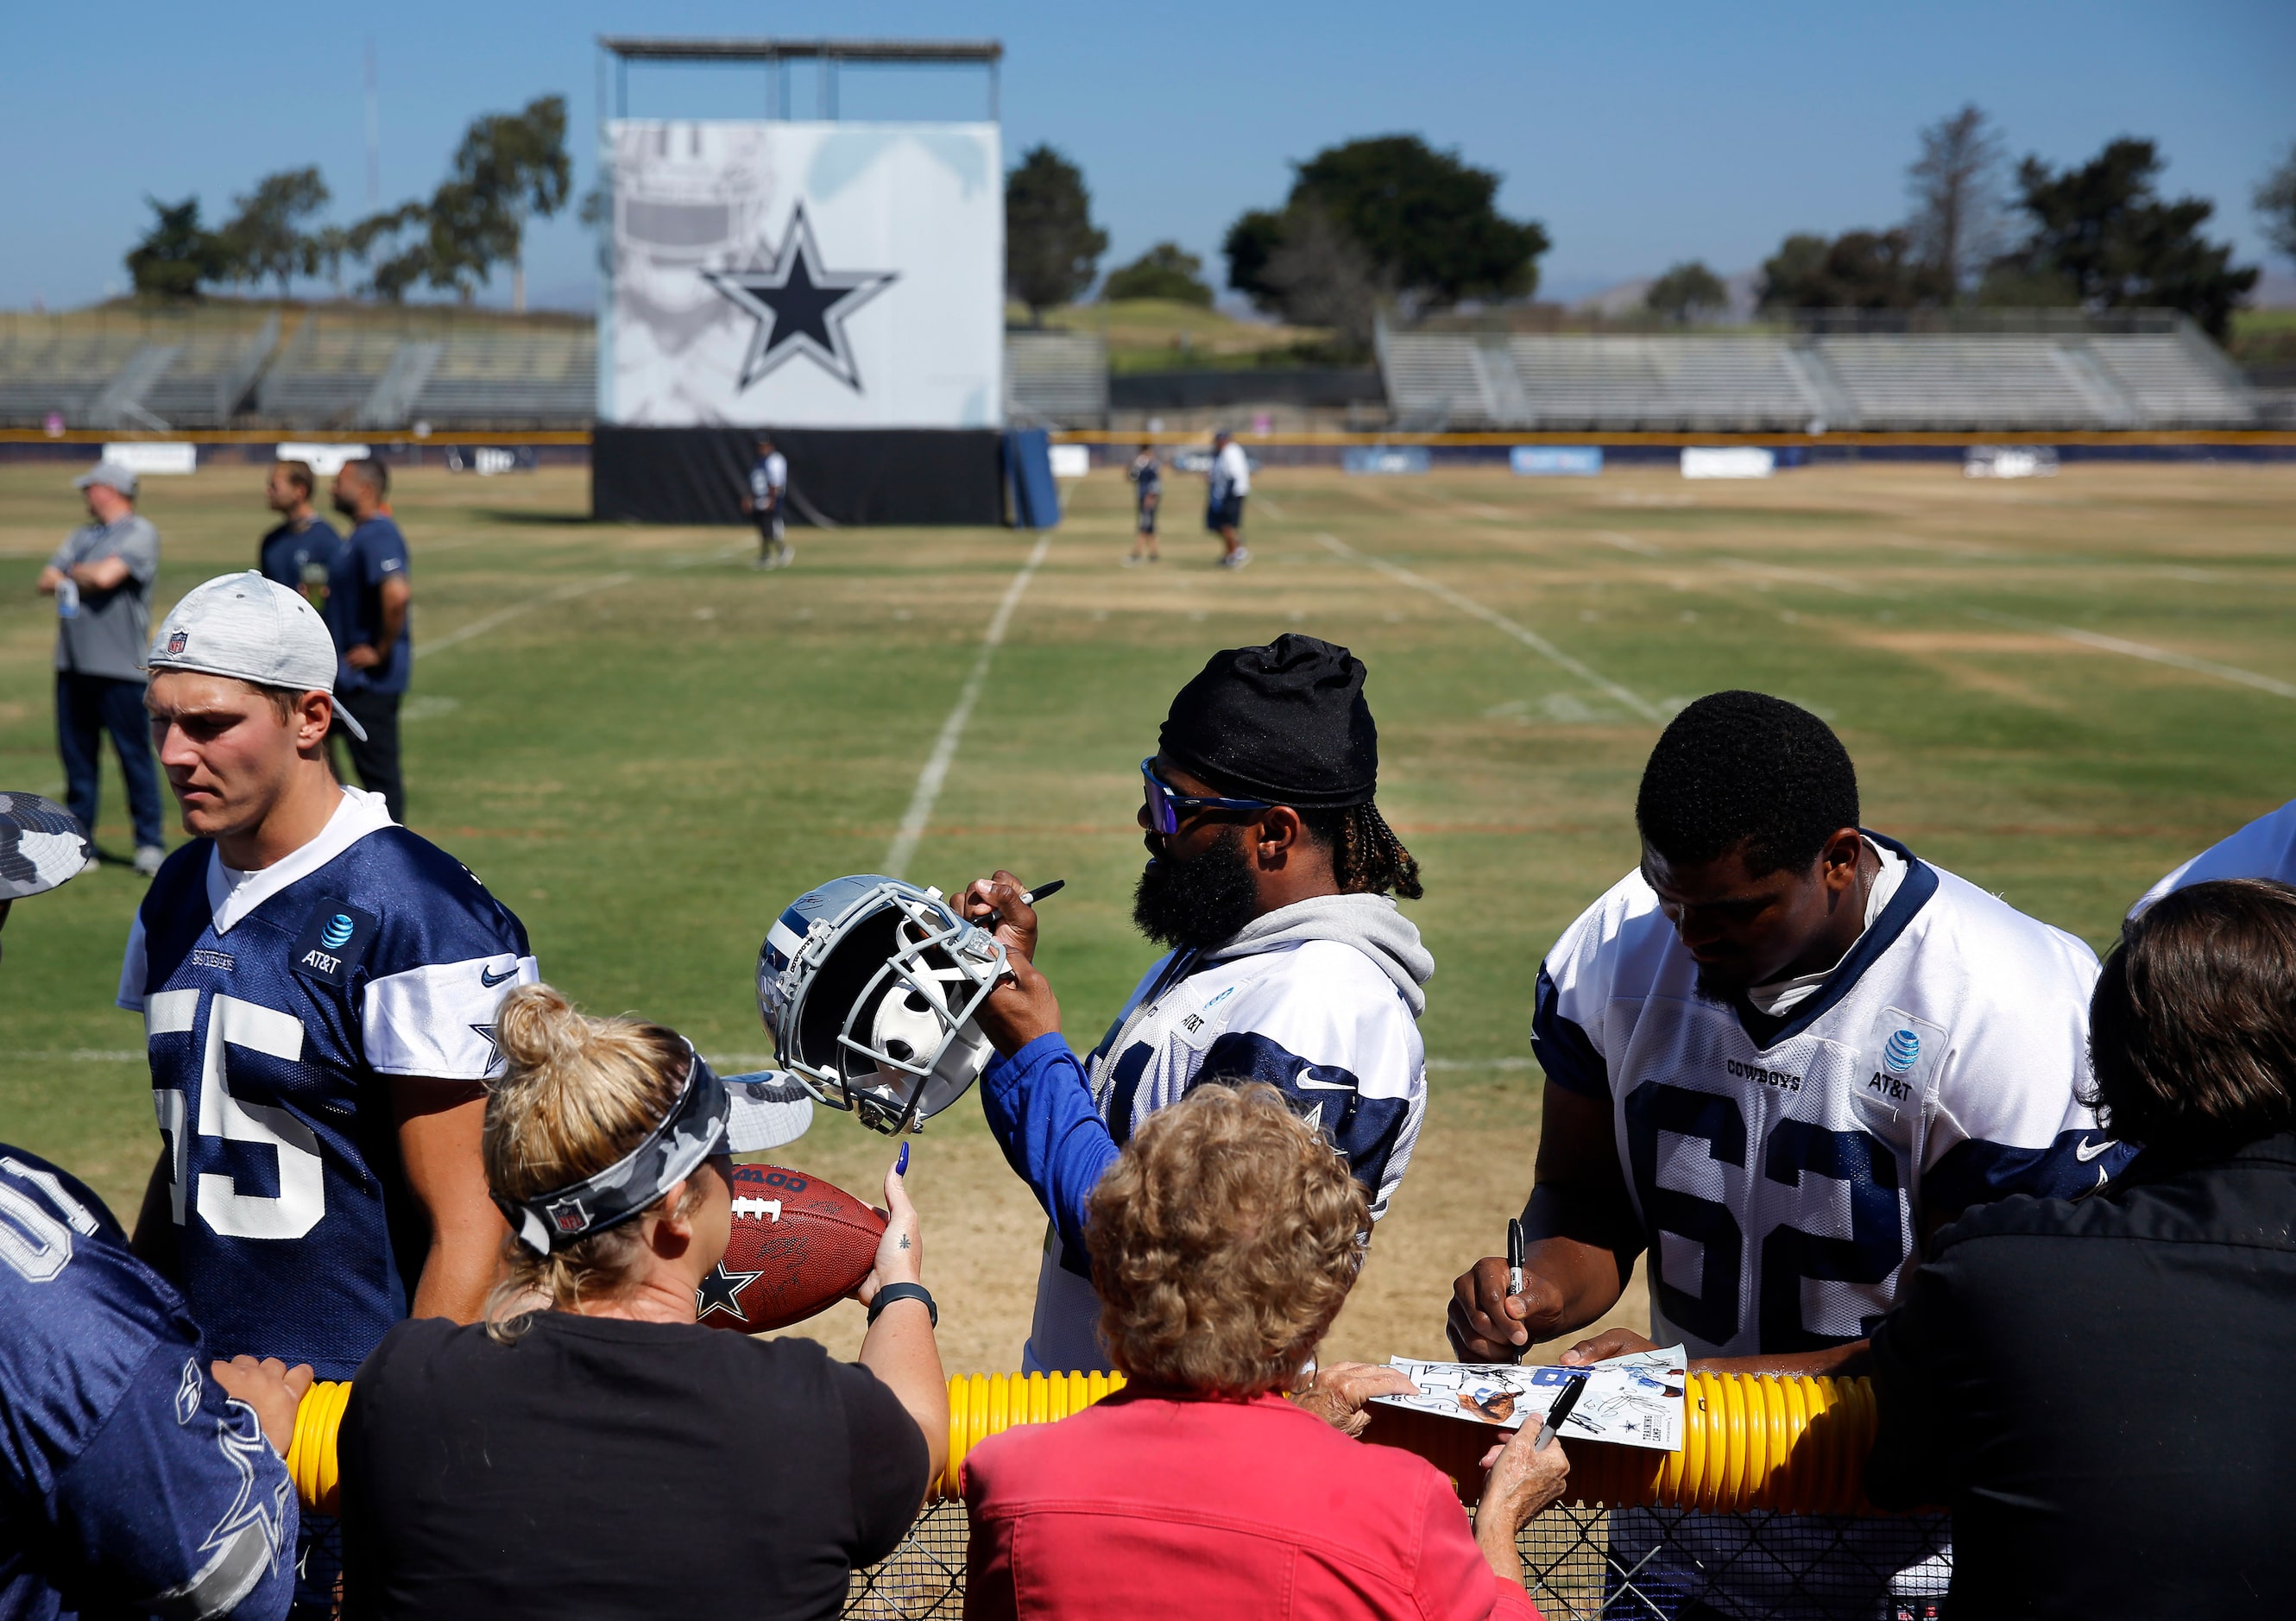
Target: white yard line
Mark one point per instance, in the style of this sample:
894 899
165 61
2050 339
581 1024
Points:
1627 543
75 1055
502 615
1498 621
2139 650
564 594
904 843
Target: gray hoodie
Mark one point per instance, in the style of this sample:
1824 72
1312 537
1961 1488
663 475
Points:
1371 923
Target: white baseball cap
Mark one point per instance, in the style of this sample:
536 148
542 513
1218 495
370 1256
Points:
253 629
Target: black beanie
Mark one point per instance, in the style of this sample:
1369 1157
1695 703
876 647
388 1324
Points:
1286 722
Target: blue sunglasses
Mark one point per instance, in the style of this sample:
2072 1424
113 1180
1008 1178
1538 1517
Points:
1166 804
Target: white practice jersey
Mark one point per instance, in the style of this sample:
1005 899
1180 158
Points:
1784 1167
2265 848
1317 1019
1231 472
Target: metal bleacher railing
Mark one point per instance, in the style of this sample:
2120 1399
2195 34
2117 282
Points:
1762 1514
1999 370
131 369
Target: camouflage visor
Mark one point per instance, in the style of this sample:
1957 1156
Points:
693 1129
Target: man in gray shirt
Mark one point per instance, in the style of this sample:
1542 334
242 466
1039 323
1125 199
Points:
102 579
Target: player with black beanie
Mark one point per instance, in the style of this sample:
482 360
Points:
1272 877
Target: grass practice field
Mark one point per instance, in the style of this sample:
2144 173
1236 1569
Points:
2058 689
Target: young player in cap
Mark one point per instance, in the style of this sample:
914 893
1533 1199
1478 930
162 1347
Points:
135 1483
318 987
1270 875
1779 1055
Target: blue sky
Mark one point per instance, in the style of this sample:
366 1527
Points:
1640 135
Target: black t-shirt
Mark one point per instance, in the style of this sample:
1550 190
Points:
605 1468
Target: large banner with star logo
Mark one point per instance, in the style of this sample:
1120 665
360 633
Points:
804 275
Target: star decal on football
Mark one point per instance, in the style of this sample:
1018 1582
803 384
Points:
721 1292
800 307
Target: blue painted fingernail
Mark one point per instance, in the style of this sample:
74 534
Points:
901 1165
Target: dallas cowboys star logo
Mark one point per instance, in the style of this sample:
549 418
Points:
800 308
721 1292
486 1032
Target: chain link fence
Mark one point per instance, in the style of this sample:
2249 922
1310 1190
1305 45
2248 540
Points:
1589 1564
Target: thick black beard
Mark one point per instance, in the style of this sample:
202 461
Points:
1201 902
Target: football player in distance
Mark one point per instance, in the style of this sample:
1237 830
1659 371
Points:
318 989
590 1449
1224 1241
134 1483
1271 877
1779 1054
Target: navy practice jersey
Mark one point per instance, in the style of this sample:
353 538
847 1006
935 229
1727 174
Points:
1785 1166
128 1480
276 1010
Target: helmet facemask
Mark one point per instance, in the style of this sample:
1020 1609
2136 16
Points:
877 1003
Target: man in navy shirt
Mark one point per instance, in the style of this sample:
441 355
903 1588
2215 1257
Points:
130 1478
367 611
302 552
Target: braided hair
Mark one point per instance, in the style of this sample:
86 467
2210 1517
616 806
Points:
1367 856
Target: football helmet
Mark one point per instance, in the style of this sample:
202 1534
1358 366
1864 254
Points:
868 986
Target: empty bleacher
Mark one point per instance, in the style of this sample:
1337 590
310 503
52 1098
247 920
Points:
2062 379
514 377
1056 380
322 377
62 363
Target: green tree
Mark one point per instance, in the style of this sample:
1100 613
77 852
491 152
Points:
1689 291
1956 189
1384 218
267 238
1857 270
1166 271
2103 230
1249 243
1051 245
395 246
2275 204
172 259
1426 220
512 168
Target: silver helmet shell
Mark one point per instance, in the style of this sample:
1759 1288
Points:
868 986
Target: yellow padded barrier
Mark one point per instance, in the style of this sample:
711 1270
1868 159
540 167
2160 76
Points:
1793 1444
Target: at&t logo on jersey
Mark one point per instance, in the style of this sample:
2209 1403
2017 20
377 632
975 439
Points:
335 940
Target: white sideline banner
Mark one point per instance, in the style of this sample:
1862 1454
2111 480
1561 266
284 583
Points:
1071 461
325 461
144 456
1729 461
803 275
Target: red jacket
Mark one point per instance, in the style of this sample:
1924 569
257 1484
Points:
1156 1505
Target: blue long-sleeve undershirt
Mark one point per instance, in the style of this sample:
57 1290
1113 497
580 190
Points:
1039 1108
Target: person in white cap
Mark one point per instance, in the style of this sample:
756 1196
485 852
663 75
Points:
319 988
102 579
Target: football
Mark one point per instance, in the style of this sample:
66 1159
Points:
798 1246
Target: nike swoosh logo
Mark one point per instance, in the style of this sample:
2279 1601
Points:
1305 1085
491 981
2085 1150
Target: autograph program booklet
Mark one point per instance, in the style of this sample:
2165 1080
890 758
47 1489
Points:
1634 1401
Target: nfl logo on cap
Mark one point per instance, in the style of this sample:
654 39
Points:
176 643
567 1216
